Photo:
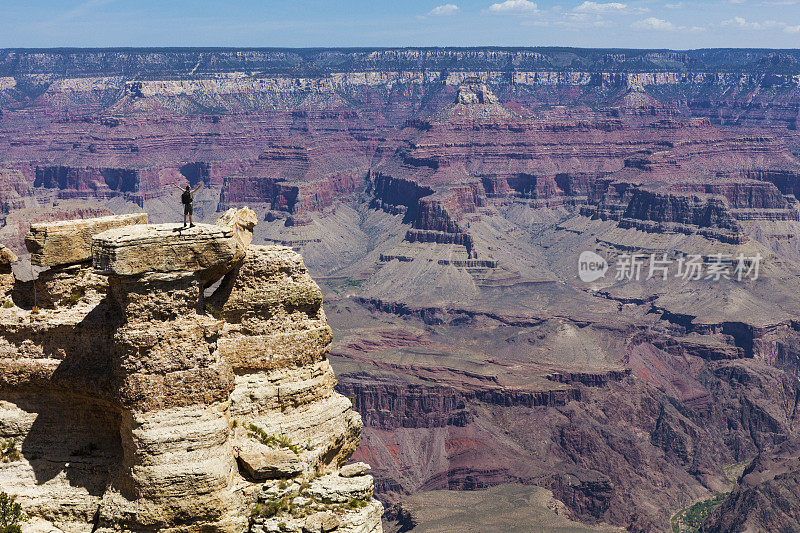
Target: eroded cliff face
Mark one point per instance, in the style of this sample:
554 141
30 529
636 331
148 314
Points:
442 197
767 497
132 403
318 120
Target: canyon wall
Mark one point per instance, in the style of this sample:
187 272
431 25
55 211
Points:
441 197
131 402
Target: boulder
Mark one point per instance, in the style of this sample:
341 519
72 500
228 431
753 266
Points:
6 277
261 462
337 489
321 522
354 469
242 221
162 248
61 287
6 258
70 241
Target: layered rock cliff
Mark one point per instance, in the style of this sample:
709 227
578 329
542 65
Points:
442 196
132 402
767 496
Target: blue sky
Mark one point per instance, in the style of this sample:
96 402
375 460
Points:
677 24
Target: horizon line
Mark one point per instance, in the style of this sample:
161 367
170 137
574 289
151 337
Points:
410 47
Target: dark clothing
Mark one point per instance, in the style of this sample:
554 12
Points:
186 200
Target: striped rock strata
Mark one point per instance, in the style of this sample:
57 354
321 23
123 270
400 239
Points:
70 241
128 409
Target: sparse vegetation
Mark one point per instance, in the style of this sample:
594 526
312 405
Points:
733 471
300 503
8 304
273 441
214 312
340 285
76 295
690 519
9 452
10 514
272 508
356 504
35 310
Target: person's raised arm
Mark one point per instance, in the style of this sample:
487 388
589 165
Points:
195 189
177 186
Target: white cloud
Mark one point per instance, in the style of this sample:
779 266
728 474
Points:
676 5
595 7
580 24
742 24
655 24
608 8
514 6
444 10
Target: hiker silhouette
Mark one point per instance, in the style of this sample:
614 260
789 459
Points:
186 199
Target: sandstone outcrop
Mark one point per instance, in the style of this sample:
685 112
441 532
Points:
135 250
6 258
130 410
440 192
66 242
242 221
276 333
681 212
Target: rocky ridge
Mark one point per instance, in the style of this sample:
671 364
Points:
133 403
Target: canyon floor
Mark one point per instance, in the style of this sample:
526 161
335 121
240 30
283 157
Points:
443 199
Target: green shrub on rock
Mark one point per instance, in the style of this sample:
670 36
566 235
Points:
10 514
9 452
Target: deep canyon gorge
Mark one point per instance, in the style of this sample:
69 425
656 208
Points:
441 198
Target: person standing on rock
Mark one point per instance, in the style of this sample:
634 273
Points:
186 199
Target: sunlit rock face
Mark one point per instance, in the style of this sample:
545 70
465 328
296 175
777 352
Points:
441 198
132 402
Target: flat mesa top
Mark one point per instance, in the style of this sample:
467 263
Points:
150 248
98 221
140 233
